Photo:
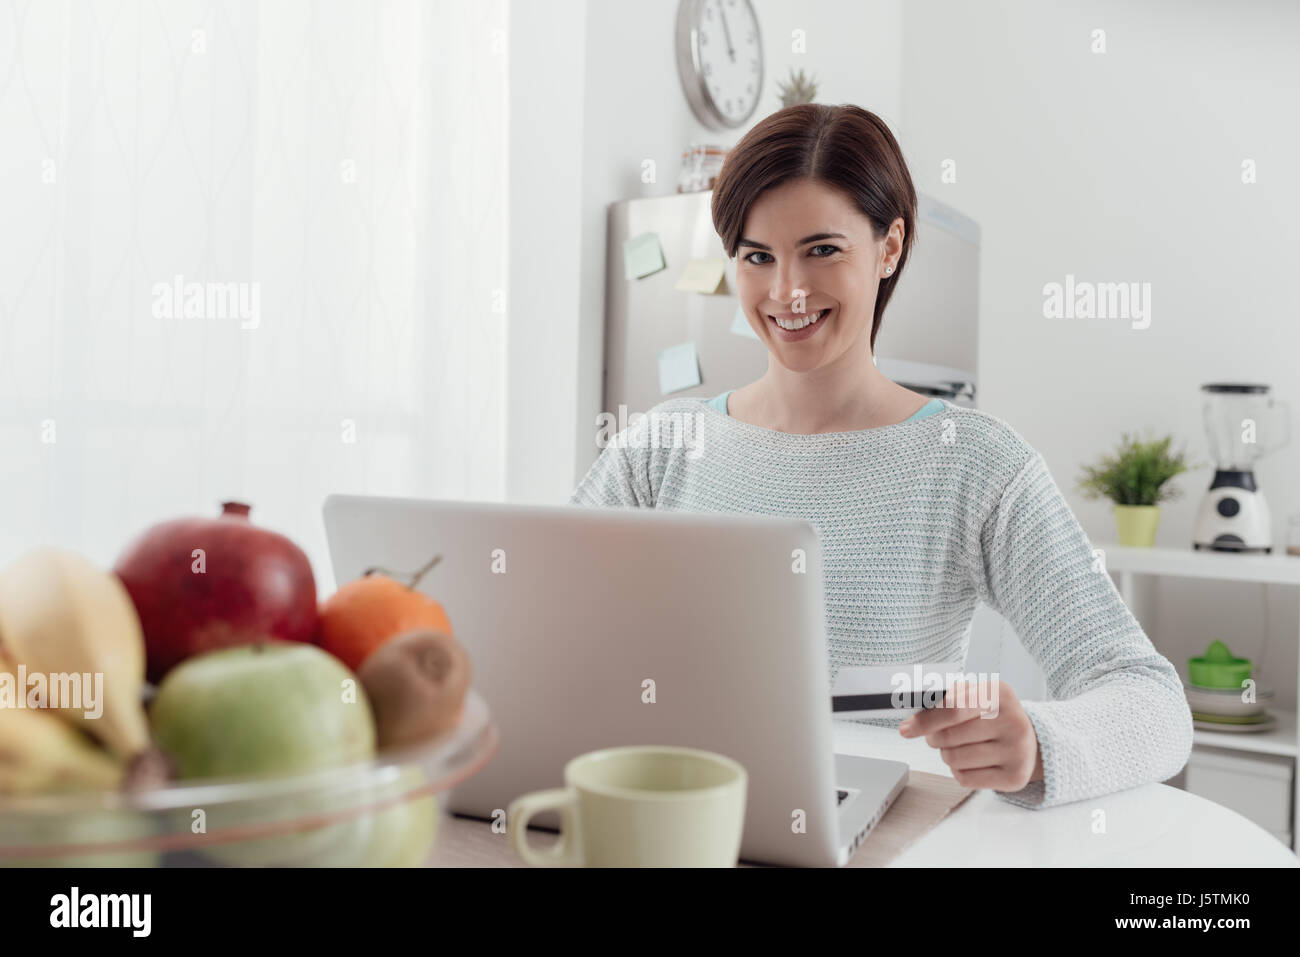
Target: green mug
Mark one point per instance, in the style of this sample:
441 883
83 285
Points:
640 806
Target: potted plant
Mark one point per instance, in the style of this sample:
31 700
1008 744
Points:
1134 479
800 89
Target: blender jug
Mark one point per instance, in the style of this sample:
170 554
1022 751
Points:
1234 515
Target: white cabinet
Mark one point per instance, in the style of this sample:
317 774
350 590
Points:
1256 786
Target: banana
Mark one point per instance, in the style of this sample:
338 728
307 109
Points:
38 752
60 614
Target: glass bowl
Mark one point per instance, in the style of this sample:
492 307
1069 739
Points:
385 812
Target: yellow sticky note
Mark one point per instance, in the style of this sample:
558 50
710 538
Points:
642 255
702 275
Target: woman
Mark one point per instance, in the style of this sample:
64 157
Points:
922 507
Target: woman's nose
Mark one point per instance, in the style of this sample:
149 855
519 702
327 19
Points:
788 282
788 289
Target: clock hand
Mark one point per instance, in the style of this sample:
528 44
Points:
727 33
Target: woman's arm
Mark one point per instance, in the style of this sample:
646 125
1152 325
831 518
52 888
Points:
1118 716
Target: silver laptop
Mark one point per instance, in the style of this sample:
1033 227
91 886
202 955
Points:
593 628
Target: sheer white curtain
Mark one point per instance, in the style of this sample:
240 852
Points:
323 183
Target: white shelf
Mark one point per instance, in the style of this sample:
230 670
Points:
1276 569
1281 740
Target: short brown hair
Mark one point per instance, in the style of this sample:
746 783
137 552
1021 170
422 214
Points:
843 146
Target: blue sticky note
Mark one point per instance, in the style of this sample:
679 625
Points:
740 325
642 256
679 368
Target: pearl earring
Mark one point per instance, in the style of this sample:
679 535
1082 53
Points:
889 269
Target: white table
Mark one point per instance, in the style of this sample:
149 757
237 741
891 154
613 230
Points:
1150 826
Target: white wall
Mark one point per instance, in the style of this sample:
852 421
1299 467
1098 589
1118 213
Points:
1126 166
607 97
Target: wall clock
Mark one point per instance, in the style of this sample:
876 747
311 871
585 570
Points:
719 60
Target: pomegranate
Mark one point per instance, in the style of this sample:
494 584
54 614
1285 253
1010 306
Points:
204 583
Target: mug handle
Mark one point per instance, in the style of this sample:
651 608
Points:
567 851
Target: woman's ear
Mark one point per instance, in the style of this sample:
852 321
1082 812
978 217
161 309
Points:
893 247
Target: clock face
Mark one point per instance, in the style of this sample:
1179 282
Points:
729 58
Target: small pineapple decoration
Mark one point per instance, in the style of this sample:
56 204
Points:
800 89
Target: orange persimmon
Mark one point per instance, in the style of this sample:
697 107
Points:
363 614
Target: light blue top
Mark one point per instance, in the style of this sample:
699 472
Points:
930 408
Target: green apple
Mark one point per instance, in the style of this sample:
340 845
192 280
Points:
269 709
273 708
403 835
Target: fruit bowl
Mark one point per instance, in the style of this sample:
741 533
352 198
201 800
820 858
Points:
384 812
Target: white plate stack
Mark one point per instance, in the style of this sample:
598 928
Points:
1229 709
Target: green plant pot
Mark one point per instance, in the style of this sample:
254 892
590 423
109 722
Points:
1136 524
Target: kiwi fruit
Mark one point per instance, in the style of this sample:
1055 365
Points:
416 683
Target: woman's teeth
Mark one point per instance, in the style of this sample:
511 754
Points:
794 325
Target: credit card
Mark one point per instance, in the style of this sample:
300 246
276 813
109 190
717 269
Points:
883 691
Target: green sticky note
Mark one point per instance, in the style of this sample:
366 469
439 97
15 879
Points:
702 275
642 256
679 368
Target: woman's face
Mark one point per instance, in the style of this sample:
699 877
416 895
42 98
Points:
807 252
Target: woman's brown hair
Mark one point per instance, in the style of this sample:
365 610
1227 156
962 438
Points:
844 146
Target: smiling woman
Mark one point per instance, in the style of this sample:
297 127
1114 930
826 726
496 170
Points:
921 514
854 154
817 204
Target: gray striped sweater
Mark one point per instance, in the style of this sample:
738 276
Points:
918 521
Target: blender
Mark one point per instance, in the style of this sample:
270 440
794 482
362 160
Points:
1233 515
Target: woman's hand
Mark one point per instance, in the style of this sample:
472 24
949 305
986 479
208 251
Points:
999 751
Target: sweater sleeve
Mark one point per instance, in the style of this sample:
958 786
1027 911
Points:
1117 717
617 477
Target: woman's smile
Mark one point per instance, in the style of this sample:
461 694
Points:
788 328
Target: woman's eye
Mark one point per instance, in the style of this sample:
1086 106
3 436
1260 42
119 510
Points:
827 246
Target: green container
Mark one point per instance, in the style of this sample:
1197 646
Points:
1218 668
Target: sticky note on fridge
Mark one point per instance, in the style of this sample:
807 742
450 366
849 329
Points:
740 325
679 368
702 275
642 255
